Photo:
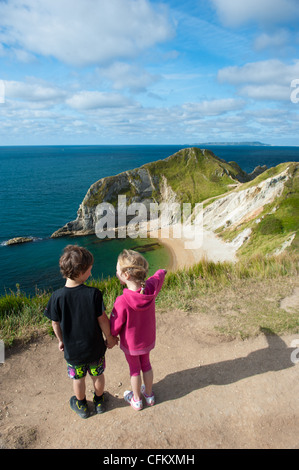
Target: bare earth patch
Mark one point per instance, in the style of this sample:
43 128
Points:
291 302
211 393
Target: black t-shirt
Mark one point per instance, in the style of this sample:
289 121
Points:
77 310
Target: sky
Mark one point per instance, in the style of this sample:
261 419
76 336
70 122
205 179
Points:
105 72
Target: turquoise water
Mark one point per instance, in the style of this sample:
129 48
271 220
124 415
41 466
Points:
41 189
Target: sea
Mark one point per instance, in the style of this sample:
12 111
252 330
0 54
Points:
41 188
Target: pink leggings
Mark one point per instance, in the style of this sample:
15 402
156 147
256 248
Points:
138 363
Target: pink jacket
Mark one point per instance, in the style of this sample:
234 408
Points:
133 317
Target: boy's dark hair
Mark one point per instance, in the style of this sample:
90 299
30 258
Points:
74 261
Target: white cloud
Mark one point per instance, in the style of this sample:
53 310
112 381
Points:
88 100
33 92
236 12
267 71
213 107
83 32
265 80
266 92
277 40
204 121
126 76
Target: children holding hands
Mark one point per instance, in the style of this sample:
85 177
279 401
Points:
79 322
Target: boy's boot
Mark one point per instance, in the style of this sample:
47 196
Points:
80 407
99 404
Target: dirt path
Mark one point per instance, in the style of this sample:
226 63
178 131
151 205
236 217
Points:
210 394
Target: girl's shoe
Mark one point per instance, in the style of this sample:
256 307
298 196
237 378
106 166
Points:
150 399
129 397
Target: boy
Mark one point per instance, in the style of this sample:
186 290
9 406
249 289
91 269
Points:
78 320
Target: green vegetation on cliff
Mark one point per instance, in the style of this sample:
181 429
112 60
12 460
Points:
193 174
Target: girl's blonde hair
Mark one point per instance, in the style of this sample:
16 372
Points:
135 264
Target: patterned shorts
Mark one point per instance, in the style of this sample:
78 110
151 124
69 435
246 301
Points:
94 369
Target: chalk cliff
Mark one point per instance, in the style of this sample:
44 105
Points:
261 216
190 175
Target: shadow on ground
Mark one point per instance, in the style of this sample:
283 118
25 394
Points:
277 356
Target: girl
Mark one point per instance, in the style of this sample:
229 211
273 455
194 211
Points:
133 319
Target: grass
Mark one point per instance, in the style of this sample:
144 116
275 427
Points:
202 175
239 299
22 317
247 308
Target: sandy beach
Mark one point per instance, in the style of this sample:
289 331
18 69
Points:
211 248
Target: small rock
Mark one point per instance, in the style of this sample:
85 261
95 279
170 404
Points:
17 240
